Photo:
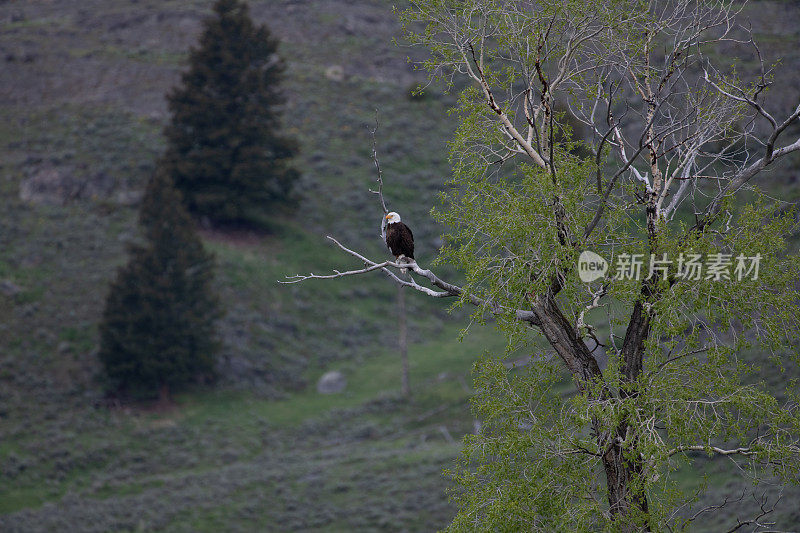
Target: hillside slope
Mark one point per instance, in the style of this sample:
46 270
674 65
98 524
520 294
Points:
82 102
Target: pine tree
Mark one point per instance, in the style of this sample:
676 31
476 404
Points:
158 329
223 149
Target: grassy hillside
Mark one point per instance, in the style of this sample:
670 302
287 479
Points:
82 107
99 139
82 103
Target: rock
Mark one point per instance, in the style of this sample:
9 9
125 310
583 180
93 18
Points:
64 347
332 382
9 288
335 73
48 185
128 197
56 185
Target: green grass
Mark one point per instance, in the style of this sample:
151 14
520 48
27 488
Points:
240 422
26 498
375 378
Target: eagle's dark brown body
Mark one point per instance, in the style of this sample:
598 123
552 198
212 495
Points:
400 240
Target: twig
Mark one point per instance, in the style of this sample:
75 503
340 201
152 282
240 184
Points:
379 192
715 507
764 512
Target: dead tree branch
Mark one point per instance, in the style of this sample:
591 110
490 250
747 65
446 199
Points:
379 179
764 511
449 290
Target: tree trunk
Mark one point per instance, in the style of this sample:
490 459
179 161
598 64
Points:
627 505
402 340
624 499
163 396
633 345
564 339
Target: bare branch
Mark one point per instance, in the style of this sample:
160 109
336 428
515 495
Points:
715 507
595 303
746 451
369 267
756 520
745 174
449 290
509 127
379 192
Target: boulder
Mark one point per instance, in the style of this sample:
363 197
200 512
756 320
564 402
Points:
57 185
332 382
9 288
335 73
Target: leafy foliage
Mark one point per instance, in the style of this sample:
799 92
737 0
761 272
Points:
535 464
158 325
224 151
526 426
526 199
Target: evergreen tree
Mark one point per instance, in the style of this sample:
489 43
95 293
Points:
224 153
158 328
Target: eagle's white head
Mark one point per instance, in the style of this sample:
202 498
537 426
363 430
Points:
392 218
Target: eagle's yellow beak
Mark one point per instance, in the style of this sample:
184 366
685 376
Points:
387 216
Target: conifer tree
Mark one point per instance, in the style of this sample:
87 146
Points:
158 329
224 152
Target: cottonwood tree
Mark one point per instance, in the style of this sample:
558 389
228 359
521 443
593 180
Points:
666 183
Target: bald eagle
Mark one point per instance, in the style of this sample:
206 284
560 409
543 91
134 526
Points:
399 239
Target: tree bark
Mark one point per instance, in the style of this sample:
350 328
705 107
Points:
621 471
627 505
633 345
624 501
564 339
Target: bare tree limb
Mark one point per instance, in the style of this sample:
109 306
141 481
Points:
746 451
770 154
449 290
379 179
509 127
755 520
